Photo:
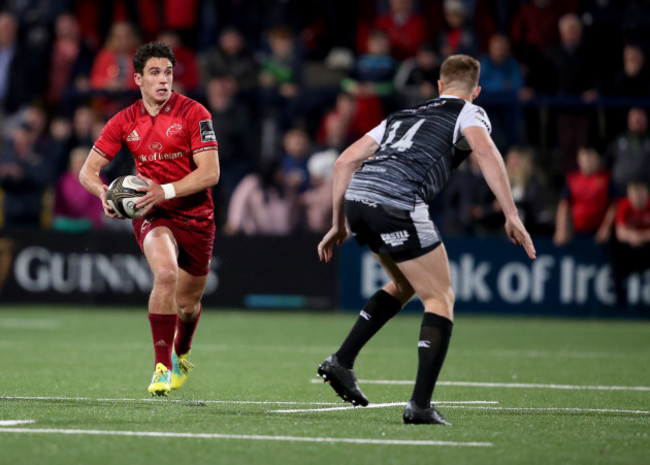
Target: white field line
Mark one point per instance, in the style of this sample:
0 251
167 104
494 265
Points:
158 399
15 422
402 382
369 406
471 405
158 434
553 409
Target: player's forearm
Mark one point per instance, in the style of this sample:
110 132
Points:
343 172
90 179
203 177
494 172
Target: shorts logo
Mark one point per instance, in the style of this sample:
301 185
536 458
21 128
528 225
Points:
207 131
155 146
145 224
174 129
395 239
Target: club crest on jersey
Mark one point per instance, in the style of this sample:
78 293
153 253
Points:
207 131
395 239
174 129
155 146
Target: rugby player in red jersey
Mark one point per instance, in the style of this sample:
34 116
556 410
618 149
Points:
175 149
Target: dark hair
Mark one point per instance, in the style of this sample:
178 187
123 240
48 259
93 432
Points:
152 50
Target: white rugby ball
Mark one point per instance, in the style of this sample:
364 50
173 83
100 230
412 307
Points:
122 194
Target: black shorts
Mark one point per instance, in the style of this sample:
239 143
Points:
402 234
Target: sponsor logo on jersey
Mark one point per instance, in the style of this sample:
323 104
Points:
207 131
395 239
174 129
155 146
133 136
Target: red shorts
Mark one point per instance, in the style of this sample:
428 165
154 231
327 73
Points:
194 247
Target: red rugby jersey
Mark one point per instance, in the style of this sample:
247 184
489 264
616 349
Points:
628 216
162 147
589 197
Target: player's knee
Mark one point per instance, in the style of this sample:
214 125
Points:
165 276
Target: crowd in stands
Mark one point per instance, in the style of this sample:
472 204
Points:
290 84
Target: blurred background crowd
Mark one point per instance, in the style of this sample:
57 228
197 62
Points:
291 83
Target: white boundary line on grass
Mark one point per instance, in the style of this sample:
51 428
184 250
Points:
15 422
165 399
554 409
253 437
369 406
459 405
400 382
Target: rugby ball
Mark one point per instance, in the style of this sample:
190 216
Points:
122 194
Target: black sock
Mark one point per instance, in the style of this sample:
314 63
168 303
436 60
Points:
435 333
380 308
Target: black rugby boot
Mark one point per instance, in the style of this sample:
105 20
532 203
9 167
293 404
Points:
414 415
343 381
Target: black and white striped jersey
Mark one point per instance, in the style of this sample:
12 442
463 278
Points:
418 149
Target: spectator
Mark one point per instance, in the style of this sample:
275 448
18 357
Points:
371 81
231 57
469 207
337 127
262 204
629 154
70 61
528 190
631 252
280 81
417 77
237 148
502 82
500 71
574 71
294 159
83 120
406 29
14 76
113 65
457 36
316 201
186 71
602 28
24 177
75 209
588 203
533 30
633 80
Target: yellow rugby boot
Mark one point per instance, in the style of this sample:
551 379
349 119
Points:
161 381
181 367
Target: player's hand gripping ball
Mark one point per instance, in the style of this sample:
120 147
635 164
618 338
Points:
122 194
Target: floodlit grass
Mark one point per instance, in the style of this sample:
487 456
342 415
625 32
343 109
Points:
81 376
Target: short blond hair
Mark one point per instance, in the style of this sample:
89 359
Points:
460 71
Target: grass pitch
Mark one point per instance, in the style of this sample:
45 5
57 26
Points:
518 391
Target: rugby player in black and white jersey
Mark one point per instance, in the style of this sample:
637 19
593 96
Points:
383 185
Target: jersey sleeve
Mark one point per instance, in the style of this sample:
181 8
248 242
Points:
377 133
473 115
202 135
109 141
